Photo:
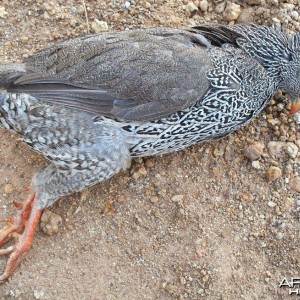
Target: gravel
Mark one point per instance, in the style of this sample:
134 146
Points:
134 235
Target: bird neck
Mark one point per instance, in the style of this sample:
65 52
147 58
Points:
267 45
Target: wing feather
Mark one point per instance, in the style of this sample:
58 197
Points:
133 75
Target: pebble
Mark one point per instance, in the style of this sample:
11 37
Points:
3 12
38 294
203 5
288 203
295 14
275 148
127 5
201 292
295 184
99 26
177 198
296 117
246 197
232 11
271 204
140 173
291 149
288 6
219 9
50 222
279 235
9 188
253 2
279 149
154 200
149 163
273 173
254 151
115 17
256 164
147 5
246 16
191 9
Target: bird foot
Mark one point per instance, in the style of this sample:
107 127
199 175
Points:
22 227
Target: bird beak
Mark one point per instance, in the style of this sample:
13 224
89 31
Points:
295 106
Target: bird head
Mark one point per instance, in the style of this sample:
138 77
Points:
290 73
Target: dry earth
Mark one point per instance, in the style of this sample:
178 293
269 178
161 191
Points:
205 223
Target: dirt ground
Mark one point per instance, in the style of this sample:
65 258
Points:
204 223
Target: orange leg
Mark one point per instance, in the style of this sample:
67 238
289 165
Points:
22 227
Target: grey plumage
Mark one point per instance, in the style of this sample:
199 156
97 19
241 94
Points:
92 103
146 92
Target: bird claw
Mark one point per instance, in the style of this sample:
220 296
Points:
18 205
22 227
7 251
6 233
7 220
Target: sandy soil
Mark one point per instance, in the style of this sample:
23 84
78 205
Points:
204 223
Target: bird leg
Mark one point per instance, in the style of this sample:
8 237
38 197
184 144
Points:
22 227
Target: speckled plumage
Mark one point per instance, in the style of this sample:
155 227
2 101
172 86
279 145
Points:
91 104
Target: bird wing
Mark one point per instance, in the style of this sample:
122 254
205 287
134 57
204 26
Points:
132 75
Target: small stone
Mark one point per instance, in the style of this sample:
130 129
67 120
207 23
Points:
271 204
288 203
276 22
24 38
13 294
201 292
280 106
295 14
276 148
246 16
3 12
154 200
149 163
232 11
253 2
177 198
291 150
99 26
219 9
203 5
273 173
121 199
295 184
38 295
147 5
85 194
256 164
279 235
296 117
127 5
50 222
9 188
246 197
140 173
115 17
288 6
254 151
191 9
274 2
